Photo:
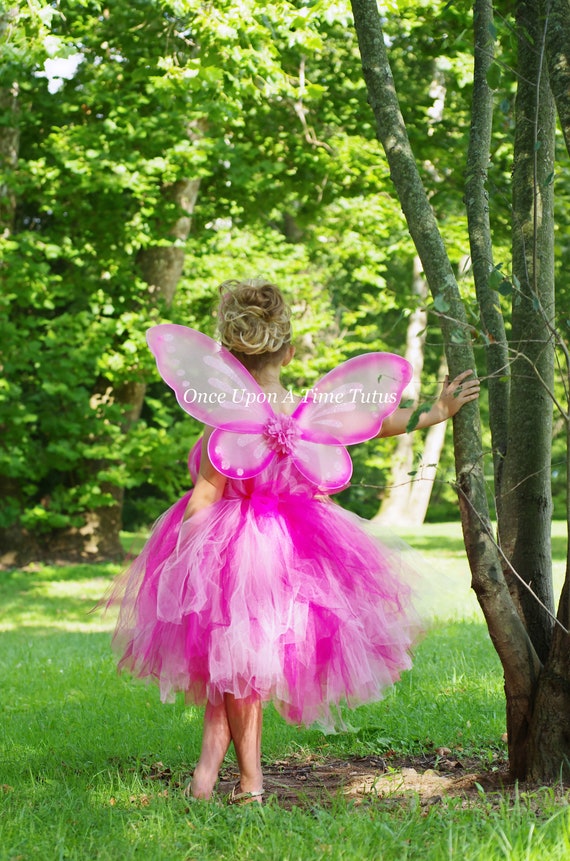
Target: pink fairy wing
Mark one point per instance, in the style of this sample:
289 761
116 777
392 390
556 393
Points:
327 466
239 455
349 404
214 387
209 383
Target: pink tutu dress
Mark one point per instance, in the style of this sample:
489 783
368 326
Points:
274 591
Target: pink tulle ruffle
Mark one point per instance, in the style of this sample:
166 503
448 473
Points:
272 592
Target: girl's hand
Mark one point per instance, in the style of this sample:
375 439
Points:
460 391
453 396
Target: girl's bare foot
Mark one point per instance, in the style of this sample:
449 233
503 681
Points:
201 785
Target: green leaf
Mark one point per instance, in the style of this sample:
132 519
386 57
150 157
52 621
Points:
495 278
440 304
458 337
415 417
505 288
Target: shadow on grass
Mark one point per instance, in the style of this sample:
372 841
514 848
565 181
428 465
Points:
435 545
446 539
52 594
62 573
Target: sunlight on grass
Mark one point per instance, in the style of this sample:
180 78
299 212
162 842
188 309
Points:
31 599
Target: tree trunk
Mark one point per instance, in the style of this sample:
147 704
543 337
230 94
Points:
395 505
549 736
557 13
510 428
480 243
421 490
161 267
526 503
407 501
549 746
9 145
519 659
9 151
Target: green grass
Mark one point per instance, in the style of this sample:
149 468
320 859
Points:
77 742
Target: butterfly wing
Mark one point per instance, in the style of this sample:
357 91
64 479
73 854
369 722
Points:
327 465
214 387
209 383
347 406
239 455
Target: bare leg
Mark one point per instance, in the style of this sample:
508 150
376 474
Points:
215 743
245 718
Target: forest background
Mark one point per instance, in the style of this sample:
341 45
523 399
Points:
152 150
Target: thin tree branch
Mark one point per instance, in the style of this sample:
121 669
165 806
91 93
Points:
508 563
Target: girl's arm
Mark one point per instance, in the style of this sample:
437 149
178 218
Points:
450 401
209 484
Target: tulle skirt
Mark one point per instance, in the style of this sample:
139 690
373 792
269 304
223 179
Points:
280 595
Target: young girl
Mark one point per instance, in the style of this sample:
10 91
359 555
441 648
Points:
259 587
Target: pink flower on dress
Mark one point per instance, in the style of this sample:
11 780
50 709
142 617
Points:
281 433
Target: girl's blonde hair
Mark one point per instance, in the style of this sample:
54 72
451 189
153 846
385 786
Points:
254 322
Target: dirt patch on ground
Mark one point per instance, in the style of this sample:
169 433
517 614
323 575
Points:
427 779
395 780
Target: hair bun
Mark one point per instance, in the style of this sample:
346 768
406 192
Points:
253 317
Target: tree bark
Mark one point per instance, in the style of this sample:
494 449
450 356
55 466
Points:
9 151
549 736
525 499
549 746
9 137
161 265
9 145
557 16
520 662
480 243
